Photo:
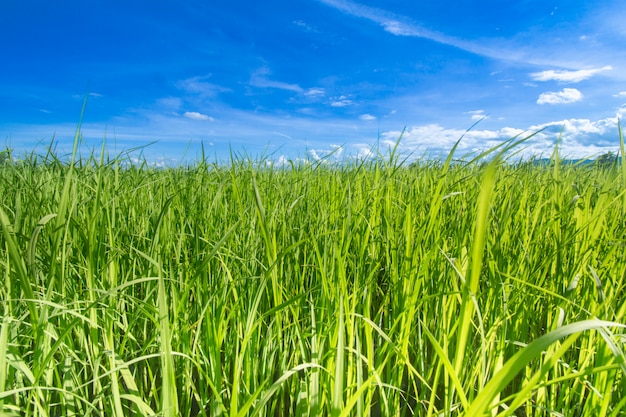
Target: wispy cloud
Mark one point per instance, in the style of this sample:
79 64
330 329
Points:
477 114
331 154
397 25
169 103
568 76
341 101
528 47
367 117
304 26
91 95
314 92
390 22
567 95
620 94
197 116
403 26
260 79
198 86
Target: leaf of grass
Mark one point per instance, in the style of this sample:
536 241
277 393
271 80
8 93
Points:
337 400
4 336
275 386
480 406
168 387
17 260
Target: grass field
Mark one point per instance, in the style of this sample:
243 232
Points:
374 288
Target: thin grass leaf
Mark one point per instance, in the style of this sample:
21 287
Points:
480 406
337 399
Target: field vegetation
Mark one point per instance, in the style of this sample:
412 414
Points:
475 286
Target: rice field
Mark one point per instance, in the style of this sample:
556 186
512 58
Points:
475 287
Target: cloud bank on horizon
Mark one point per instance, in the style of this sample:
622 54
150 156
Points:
284 81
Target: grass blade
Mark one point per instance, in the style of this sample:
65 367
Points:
480 406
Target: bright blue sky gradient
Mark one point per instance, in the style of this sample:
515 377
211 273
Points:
298 79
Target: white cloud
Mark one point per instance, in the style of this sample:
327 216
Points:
198 85
578 127
388 143
510 132
281 161
581 138
434 140
390 22
620 94
82 97
169 103
313 92
314 154
364 152
398 28
367 117
399 25
402 26
260 79
568 76
435 135
477 114
341 101
304 26
567 95
333 153
282 135
542 46
337 151
197 116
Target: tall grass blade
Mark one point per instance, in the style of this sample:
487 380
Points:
337 399
473 272
169 401
480 406
18 263
4 336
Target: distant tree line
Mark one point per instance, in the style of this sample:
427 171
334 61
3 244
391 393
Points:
605 159
5 157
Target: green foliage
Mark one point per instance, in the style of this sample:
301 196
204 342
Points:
608 158
5 157
371 289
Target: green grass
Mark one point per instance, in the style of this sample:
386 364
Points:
375 288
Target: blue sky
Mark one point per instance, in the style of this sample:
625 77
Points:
305 78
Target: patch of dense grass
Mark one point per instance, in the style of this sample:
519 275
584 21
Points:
367 289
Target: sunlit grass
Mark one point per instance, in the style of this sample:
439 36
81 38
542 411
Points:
371 288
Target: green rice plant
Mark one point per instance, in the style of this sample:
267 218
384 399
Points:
468 286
